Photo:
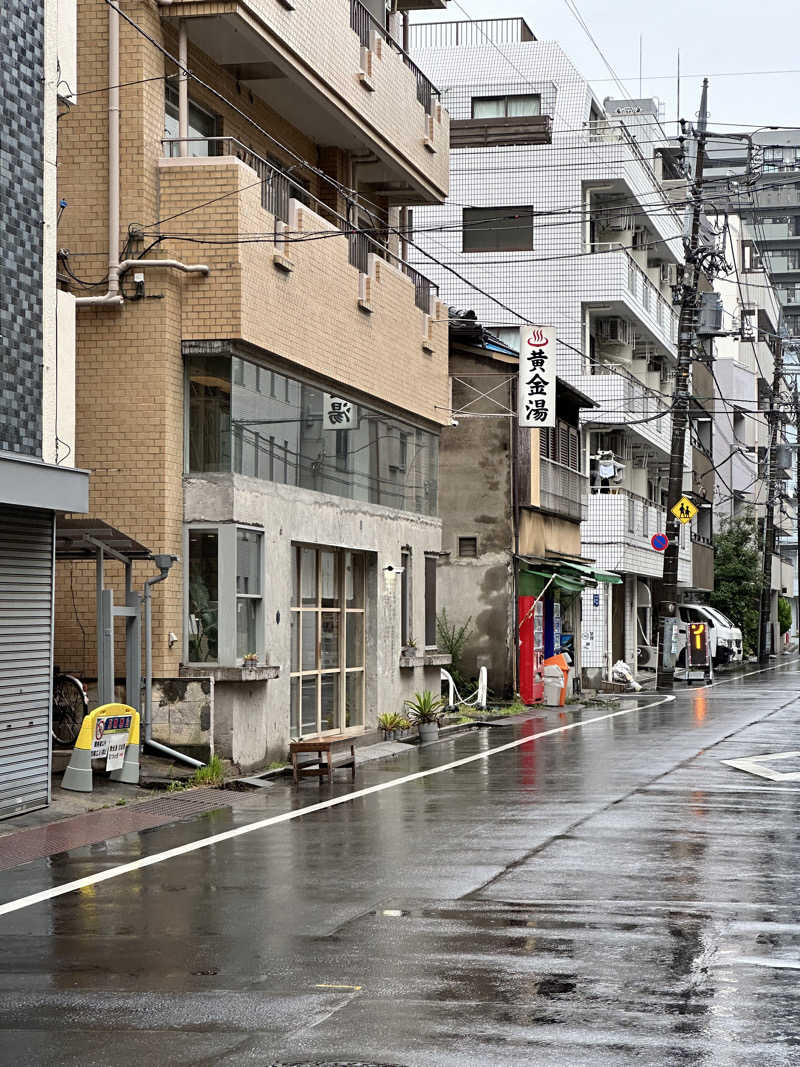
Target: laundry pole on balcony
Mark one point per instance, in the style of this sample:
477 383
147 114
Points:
183 89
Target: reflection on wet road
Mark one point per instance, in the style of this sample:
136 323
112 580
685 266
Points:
610 894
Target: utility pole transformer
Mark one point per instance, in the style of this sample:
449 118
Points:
687 325
769 515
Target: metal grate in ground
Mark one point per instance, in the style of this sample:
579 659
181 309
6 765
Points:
95 826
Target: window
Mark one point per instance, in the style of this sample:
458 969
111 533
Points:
202 124
561 444
498 229
430 601
248 590
224 594
328 638
249 420
468 547
203 596
406 629
506 107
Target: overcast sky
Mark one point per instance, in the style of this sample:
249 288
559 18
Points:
714 36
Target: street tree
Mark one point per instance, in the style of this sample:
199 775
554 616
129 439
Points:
737 577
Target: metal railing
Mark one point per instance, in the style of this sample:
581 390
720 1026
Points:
562 490
279 188
472 32
363 22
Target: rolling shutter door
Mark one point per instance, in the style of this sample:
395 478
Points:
26 606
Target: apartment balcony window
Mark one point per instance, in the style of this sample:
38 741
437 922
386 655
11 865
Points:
245 418
497 229
205 127
506 107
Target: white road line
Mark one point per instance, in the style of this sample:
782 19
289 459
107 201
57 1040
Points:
288 816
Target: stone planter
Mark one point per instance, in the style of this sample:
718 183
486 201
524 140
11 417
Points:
428 731
389 735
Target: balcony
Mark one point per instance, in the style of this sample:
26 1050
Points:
562 490
292 277
617 532
339 77
615 281
622 399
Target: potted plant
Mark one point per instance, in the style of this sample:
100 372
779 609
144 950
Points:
389 723
250 660
425 711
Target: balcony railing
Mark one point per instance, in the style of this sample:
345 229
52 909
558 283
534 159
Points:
278 189
562 490
363 22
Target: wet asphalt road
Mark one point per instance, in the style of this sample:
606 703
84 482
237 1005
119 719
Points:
609 895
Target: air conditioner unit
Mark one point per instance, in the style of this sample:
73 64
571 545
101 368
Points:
647 657
669 274
614 331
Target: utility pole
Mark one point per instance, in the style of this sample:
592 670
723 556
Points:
687 325
773 420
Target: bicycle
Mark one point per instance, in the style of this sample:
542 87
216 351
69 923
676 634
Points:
70 706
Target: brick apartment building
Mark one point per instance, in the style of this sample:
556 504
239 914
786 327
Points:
261 377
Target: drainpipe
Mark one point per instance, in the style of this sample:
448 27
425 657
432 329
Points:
113 296
183 89
163 562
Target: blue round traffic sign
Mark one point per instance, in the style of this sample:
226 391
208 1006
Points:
659 542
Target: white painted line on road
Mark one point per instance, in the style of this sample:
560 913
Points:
755 765
332 802
288 816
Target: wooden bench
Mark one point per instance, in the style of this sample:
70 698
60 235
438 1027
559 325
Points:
324 764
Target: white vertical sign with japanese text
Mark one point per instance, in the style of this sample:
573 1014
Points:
537 376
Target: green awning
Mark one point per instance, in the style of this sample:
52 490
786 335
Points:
533 581
593 572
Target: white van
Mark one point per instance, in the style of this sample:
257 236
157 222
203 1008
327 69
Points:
724 639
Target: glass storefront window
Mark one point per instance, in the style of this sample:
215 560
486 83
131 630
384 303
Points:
328 662
249 420
224 594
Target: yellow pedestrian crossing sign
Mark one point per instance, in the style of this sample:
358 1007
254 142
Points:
684 511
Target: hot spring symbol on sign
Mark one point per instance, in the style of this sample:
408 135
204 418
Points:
537 376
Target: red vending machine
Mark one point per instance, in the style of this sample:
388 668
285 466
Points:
531 649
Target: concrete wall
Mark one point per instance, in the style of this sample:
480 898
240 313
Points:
183 714
259 713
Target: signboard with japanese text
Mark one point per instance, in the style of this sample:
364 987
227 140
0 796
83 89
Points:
337 413
537 376
109 739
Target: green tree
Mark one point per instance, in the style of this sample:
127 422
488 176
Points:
738 578
784 615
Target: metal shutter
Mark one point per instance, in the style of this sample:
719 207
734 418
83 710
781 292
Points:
26 611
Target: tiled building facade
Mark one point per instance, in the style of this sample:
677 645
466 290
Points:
303 133
579 234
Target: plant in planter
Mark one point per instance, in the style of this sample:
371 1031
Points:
250 659
389 723
403 726
425 711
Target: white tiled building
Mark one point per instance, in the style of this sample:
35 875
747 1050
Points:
578 233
